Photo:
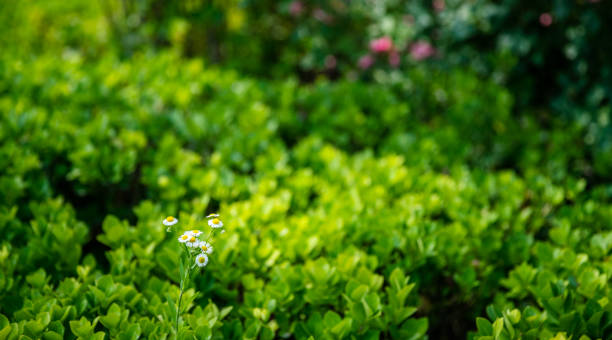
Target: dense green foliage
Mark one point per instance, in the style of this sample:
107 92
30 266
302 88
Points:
422 208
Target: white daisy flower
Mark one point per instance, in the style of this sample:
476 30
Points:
184 238
201 260
205 247
195 232
213 215
192 241
170 220
215 223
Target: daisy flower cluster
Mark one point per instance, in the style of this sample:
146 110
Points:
198 247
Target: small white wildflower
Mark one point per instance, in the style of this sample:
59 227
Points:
194 232
222 231
205 247
215 223
192 242
184 238
170 220
201 260
213 215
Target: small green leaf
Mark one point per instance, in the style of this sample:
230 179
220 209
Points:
98 336
397 279
414 329
37 279
331 319
498 327
225 311
6 331
57 327
484 326
112 318
49 335
3 321
203 332
514 316
172 307
342 328
82 328
131 333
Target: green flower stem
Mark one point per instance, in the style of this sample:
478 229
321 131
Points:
184 280
178 307
186 277
210 234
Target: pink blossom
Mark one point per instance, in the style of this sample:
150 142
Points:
330 62
366 61
322 16
421 50
381 45
296 8
394 59
438 5
546 19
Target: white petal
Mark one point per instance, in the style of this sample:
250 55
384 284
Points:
209 248
212 225
196 234
201 264
169 223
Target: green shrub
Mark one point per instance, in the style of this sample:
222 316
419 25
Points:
352 211
128 292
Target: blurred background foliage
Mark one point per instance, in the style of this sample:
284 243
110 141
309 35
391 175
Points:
551 56
391 169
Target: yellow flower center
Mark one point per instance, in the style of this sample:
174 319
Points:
204 248
201 259
184 237
215 221
170 218
192 239
195 231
